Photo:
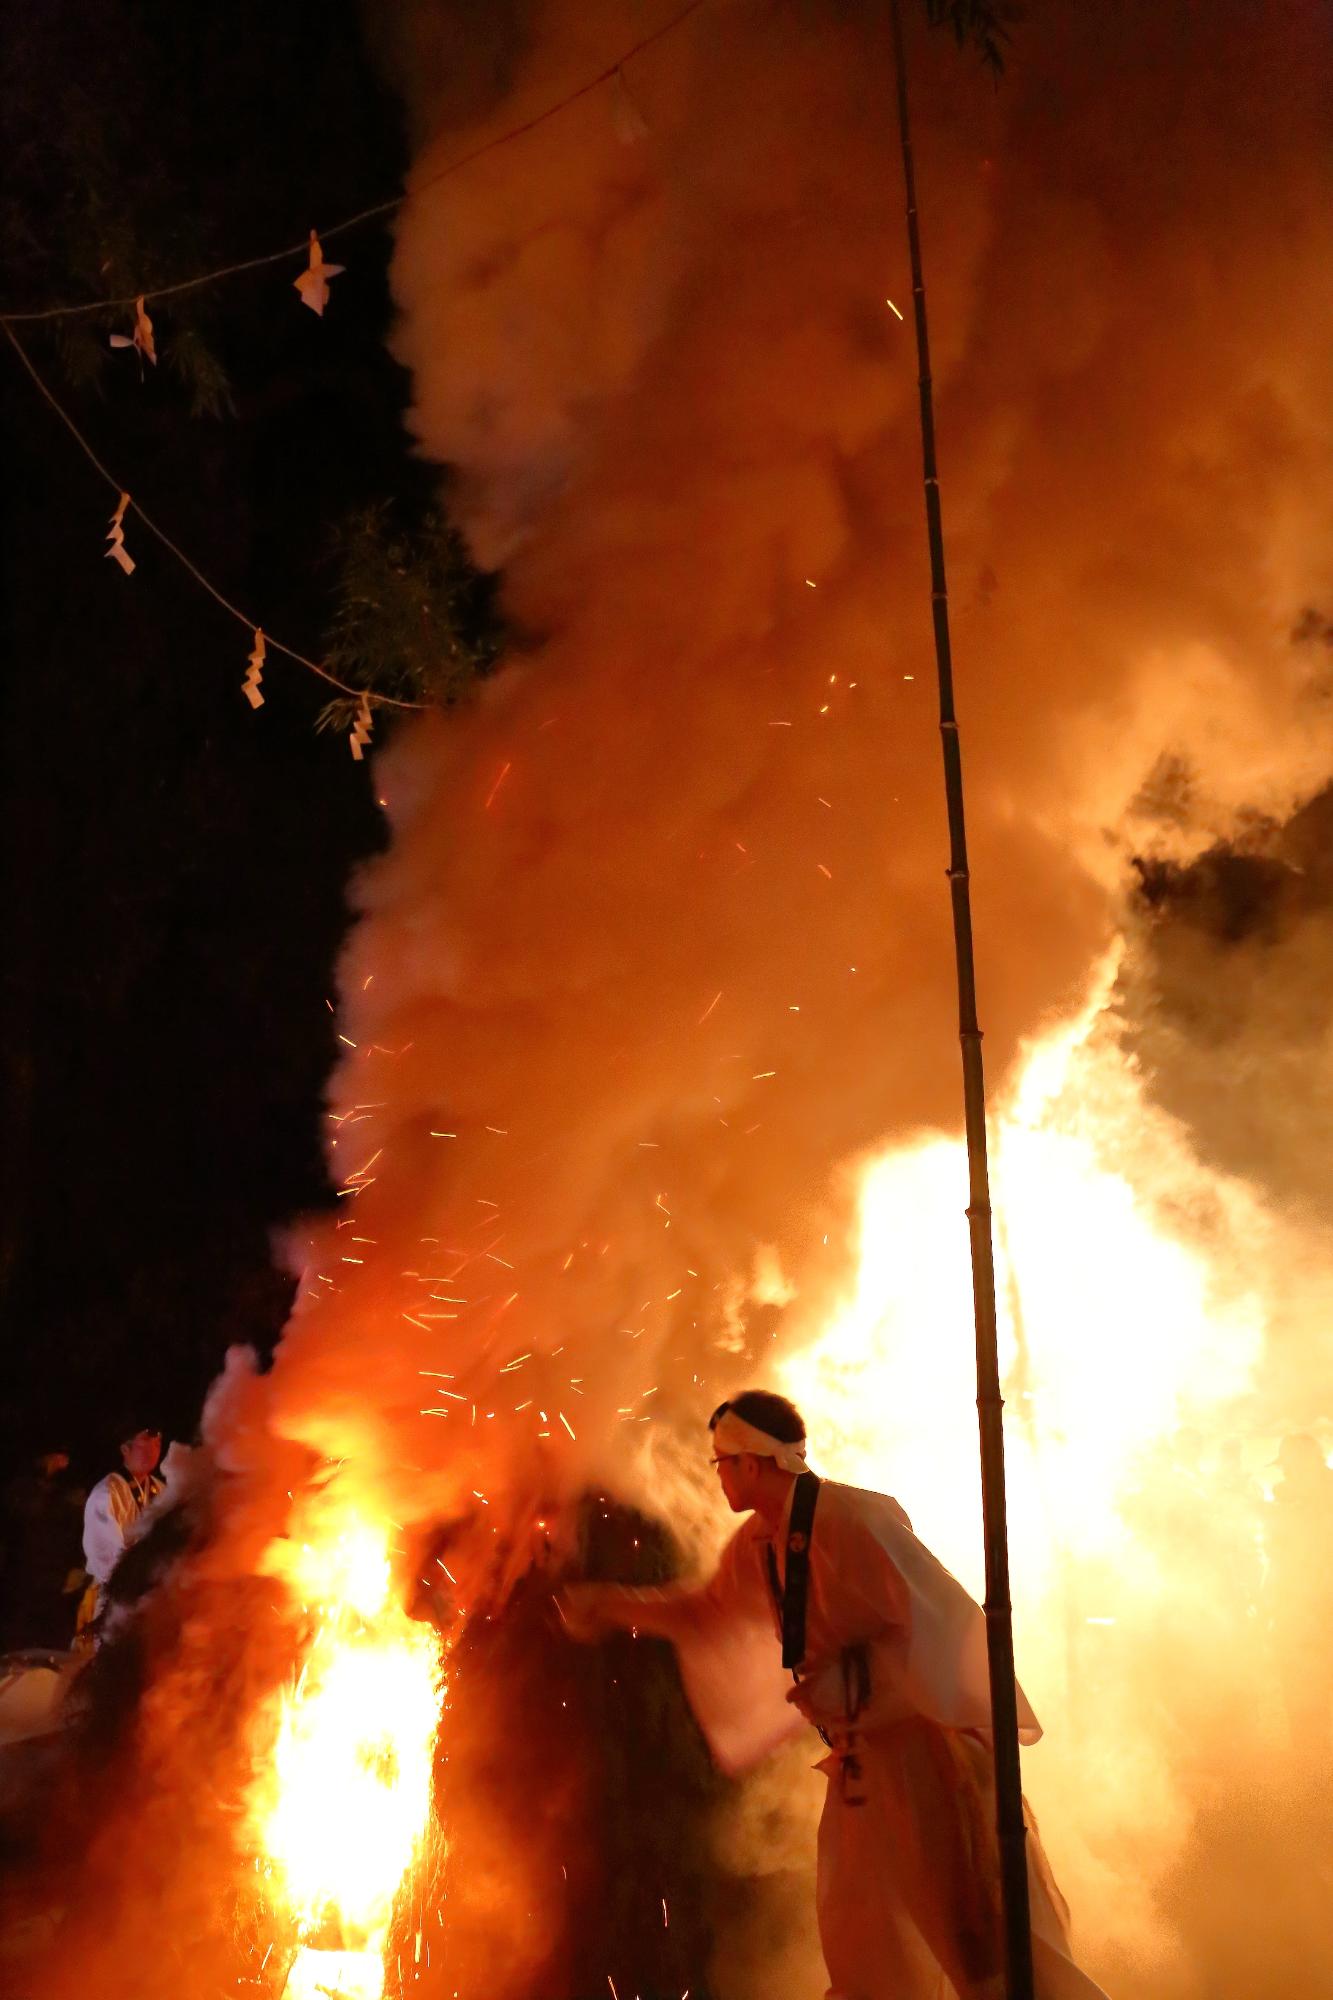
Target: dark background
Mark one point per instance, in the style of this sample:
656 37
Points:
176 862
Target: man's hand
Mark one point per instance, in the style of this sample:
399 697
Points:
587 1610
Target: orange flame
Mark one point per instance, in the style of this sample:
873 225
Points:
340 1810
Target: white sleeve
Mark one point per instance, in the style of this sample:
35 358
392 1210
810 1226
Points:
731 1662
103 1528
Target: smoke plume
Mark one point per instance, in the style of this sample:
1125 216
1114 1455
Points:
662 936
661 941
659 954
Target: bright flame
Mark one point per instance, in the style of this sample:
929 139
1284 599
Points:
335 1975
1115 1328
1136 1291
342 1806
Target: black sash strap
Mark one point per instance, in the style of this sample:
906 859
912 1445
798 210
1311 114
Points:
790 1602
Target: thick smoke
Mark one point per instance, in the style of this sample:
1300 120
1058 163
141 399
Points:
661 940
664 922
660 948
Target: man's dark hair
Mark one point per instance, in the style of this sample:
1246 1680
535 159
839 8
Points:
768 1412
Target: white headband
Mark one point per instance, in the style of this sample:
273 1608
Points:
732 1434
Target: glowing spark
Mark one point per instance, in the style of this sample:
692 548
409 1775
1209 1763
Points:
565 1421
823 870
709 1008
892 307
504 773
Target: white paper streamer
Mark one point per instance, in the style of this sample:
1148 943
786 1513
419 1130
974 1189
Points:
116 537
361 728
142 337
250 685
313 283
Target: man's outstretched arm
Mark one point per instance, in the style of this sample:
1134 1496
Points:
591 1609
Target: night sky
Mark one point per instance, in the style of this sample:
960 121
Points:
177 863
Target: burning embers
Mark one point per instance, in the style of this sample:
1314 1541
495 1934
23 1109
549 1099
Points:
340 1808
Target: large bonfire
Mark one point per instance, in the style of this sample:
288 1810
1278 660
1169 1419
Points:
649 1082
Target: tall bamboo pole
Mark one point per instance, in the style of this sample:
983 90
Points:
990 1403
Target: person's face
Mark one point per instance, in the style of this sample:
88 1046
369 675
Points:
141 1453
738 1476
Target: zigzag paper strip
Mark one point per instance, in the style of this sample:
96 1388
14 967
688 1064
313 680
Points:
250 685
142 337
116 537
360 735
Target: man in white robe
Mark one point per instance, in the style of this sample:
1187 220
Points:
113 1515
891 1667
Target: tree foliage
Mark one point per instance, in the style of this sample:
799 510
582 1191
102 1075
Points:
413 618
985 25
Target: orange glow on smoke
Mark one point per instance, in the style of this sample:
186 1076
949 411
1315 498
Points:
1140 1293
341 1806
1116 1327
